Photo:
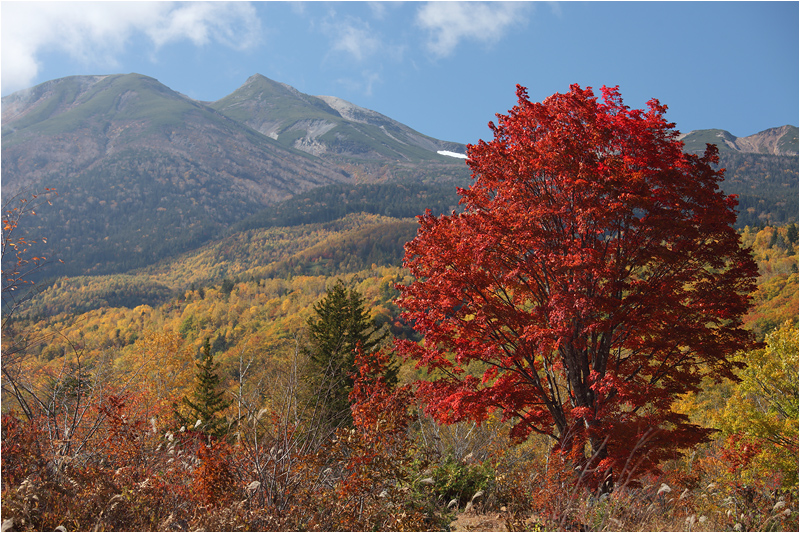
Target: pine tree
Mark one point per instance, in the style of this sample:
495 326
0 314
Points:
340 325
208 400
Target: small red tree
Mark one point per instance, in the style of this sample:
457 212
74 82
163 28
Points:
593 276
18 262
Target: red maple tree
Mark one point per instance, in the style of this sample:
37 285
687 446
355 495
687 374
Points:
593 276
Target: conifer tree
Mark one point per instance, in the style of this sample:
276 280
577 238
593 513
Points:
340 325
208 402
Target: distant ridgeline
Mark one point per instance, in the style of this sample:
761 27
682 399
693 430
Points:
762 169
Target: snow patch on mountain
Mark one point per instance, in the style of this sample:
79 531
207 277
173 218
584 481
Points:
451 154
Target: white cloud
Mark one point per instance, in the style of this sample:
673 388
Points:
232 24
352 36
94 33
449 23
378 9
370 79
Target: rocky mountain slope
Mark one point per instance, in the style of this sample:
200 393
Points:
774 141
144 172
327 125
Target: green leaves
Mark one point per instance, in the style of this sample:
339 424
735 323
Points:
207 403
764 405
341 326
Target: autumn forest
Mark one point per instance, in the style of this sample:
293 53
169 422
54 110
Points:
582 337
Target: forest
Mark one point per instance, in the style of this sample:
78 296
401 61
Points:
766 186
104 445
97 222
560 353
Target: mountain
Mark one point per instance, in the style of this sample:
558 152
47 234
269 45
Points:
326 125
144 172
761 170
68 126
774 141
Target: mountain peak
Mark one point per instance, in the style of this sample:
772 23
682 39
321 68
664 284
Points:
262 83
326 124
782 140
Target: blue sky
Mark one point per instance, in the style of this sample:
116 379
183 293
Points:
443 68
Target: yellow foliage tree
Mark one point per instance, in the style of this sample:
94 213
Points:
764 405
161 364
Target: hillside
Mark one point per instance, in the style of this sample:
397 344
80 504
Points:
767 186
344 246
761 169
144 173
326 125
773 141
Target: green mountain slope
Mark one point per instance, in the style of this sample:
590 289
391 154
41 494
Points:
327 126
142 171
773 141
61 128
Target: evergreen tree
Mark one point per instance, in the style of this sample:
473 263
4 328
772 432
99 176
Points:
207 401
340 325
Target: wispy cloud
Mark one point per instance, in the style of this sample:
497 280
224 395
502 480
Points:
95 33
449 23
362 83
358 49
233 24
352 36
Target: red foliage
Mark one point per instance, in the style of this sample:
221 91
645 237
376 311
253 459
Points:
22 452
378 443
379 410
24 264
739 451
593 276
214 481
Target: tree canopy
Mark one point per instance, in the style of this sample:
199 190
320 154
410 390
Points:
208 401
764 405
593 276
341 325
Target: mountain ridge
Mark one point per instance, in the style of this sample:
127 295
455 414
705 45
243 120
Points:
144 172
326 124
781 140
74 123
